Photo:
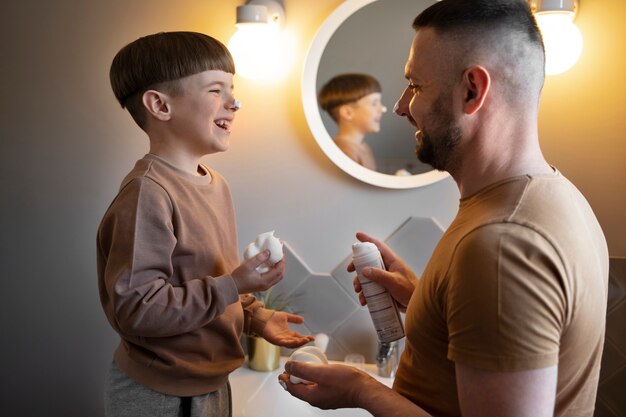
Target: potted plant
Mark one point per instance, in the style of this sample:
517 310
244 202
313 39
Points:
262 355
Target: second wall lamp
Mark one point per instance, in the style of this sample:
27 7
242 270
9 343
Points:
257 46
562 39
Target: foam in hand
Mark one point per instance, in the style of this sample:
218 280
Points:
263 242
321 341
310 354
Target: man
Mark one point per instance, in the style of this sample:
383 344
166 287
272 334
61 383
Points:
508 317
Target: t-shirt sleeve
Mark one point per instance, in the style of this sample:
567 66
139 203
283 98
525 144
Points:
138 238
506 304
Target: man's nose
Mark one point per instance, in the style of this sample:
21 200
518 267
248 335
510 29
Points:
396 108
401 107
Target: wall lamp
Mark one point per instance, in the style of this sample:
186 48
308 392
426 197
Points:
257 46
562 39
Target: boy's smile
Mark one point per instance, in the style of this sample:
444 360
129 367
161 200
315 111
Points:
223 124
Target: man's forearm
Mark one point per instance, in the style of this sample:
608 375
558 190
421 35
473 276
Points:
385 402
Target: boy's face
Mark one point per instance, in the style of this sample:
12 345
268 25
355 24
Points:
367 112
203 113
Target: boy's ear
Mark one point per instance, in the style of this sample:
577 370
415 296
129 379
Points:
476 84
157 104
345 112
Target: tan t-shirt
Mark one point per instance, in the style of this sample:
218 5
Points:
517 282
166 247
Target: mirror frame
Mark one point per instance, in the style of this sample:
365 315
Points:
314 118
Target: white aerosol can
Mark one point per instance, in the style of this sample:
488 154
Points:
380 303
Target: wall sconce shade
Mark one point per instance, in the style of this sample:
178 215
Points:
257 45
562 39
251 14
559 6
261 11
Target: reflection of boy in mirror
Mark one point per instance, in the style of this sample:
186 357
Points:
354 103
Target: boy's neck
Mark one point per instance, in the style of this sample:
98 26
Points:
187 163
349 135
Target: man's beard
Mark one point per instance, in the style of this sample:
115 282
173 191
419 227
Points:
438 149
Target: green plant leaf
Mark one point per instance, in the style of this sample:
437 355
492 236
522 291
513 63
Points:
277 302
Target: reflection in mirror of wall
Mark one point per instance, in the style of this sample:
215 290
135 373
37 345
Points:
371 37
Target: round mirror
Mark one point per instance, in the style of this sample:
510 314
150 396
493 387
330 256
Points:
370 37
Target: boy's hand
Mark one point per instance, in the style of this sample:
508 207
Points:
398 279
248 279
277 331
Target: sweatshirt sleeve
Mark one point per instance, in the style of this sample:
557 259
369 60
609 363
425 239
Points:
136 240
255 315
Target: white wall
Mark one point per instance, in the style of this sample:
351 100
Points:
65 145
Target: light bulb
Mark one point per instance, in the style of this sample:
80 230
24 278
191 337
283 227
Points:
257 50
562 40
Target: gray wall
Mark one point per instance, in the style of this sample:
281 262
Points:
65 145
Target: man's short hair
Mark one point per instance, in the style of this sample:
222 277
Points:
483 26
158 61
346 88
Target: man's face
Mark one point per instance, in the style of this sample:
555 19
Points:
427 103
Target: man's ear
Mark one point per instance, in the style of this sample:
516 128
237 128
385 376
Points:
476 84
157 104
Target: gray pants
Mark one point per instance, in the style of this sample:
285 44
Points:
124 397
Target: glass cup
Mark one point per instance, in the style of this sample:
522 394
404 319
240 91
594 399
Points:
355 359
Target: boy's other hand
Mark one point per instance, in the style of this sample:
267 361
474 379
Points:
277 331
248 279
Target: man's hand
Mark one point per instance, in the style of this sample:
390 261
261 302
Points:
248 279
398 279
277 331
340 386
333 386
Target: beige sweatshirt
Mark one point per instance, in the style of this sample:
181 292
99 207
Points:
166 247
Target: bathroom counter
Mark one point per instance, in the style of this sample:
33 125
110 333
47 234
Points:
258 394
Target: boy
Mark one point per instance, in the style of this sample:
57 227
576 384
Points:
168 272
353 101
